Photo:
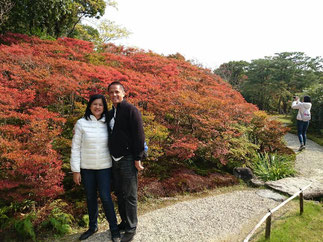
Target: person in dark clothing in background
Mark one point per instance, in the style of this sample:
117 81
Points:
126 144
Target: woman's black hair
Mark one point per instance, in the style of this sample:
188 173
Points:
307 99
88 110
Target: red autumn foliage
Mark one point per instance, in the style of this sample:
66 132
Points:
181 181
41 81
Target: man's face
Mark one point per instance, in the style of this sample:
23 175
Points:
116 94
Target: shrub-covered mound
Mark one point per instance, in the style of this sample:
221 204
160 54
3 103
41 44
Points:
194 121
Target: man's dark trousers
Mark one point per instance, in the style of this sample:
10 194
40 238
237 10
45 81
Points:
125 181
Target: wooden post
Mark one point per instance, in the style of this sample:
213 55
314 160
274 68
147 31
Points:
268 225
301 203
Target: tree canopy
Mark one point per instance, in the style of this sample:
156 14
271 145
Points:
271 82
52 17
233 72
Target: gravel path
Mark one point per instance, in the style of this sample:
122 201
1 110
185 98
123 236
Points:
225 217
217 218
309 162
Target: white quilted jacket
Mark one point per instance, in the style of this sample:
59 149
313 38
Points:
301 107
90 145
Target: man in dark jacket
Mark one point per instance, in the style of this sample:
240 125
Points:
126 144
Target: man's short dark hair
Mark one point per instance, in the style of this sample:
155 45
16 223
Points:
307 99
116 83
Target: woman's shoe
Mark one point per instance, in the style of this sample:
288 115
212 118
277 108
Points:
302 147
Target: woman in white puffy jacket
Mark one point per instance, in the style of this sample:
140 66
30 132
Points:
91 164
303 118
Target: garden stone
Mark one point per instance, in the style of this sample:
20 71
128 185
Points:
271 195
256 182
291 185
243 173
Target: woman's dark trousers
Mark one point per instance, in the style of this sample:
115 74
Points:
301 131
94 180
125 185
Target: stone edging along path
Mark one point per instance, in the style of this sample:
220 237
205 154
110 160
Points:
224 217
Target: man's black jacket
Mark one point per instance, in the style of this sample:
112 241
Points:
127 136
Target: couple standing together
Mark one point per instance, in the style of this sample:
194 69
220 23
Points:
108 146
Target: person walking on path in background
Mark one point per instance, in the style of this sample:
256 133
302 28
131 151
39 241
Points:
91 164
126 144
303 118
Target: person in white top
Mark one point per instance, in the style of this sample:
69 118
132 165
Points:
91 164
303 118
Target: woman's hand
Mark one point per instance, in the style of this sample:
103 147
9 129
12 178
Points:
77 178
138 165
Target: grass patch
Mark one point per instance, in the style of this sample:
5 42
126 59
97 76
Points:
285 119
317 138
295 227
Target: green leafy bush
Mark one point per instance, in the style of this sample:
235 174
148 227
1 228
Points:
59 221
24 227
271 167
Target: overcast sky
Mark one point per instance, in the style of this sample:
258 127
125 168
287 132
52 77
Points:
216 31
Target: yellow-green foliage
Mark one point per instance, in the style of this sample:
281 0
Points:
241 151
155 134
96 59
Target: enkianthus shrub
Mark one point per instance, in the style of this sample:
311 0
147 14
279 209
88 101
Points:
193 119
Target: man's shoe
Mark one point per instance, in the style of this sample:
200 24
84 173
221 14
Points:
121 226
87 234
302 147
128 236
115 236
116 239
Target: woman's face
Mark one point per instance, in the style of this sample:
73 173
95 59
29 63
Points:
97 108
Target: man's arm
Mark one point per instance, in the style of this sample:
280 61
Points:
137 134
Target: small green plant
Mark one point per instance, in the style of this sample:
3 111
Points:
4 218
84 221
271 167
25 228
59 221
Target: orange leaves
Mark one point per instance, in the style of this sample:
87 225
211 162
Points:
183 148
267 133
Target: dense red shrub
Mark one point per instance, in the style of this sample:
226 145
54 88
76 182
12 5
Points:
194 116
182 181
